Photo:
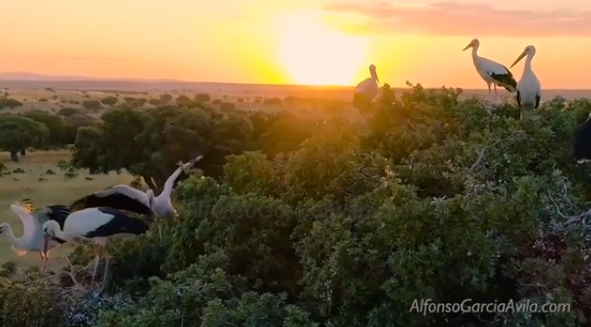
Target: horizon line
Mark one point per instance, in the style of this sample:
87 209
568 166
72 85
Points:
37 77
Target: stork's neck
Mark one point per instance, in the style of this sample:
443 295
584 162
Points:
18 242
528 63
373 75
475 55
58 232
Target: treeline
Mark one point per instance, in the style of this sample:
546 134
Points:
129 137
40 130
149 142
304 223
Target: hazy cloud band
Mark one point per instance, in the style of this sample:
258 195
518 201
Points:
455 19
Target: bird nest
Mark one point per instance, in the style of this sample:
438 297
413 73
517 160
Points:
79 301
72 281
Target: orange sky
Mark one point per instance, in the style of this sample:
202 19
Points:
295 41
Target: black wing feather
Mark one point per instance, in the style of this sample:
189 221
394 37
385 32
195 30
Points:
59 213
121 223
582 144
115 200
505 80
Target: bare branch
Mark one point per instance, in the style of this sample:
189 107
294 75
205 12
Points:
569 219
481 152
476 163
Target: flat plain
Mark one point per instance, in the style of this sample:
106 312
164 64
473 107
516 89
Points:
38 177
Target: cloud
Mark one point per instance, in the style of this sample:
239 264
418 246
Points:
451 18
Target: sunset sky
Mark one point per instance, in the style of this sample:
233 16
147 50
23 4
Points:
295 41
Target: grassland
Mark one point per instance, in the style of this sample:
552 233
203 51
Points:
44 188
38 177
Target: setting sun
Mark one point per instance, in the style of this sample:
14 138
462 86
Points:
313 53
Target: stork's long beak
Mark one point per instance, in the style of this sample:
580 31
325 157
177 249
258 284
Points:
518 59
45 243
467 47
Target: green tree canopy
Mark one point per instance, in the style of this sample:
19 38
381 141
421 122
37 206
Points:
54 123
18 133
150 143
430 196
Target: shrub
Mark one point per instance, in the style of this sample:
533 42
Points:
431 197
202 97
92 104
68 112
110 100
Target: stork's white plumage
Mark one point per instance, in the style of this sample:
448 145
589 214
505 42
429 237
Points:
529 90
490 71
97 225
125 197
32 238
366 90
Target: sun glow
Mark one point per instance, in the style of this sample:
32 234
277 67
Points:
312 53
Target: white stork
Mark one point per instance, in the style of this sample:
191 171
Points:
366 90
528 88
490 71
97 225
125 197
32 238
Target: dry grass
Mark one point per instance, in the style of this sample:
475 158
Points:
46 189
245 97
52 189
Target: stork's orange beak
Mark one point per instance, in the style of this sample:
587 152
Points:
45 243
521 56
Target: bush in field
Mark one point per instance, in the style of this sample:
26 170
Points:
349 222
6 102
202 97
92 104
110 100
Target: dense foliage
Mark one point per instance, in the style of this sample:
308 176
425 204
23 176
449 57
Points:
341 223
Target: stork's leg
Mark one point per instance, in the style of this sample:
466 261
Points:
160 231
96 264
45 258
43 265
106 271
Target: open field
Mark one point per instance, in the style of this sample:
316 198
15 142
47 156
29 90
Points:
43 188
53 95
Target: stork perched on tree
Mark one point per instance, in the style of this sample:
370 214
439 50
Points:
124 197
490 71
528 89
97 225
32 238
366 90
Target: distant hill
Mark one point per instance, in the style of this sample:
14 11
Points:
26 76
26 80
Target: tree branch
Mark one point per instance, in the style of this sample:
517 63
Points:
569 219
481 152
